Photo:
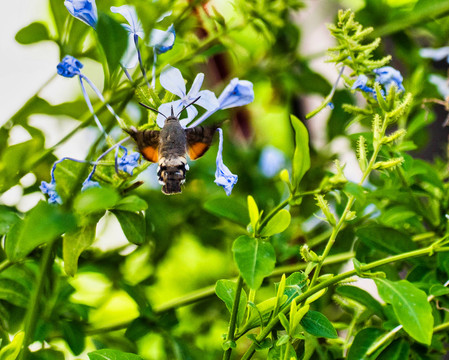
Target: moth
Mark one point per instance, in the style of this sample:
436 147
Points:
169 148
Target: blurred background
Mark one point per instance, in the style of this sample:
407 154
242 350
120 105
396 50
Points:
188 240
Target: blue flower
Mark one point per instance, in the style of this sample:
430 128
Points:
134 27
50 190
435 54
223 176
171 80
388 76
360 83
237 93
162 41
126 163
89 183
271 161
69 67
84 10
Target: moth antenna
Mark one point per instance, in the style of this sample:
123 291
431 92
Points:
185 107
153 109
172 114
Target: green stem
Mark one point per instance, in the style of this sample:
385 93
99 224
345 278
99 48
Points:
5 264
441 327
382 340
233 321
327 283
33 308
336 229
209 291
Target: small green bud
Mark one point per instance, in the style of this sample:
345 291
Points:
389 164
394 136
309 255
377 128
324 206
351 215
285 177
361 153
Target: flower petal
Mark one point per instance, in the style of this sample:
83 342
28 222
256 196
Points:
166 110
441 83
171 80
69 67
164 15
207 100
84 10
130 14
88 183
223 176
162 41
237 93
435 54
130 58
388 76
196 86
127 163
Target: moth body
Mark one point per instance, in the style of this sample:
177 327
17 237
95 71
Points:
169 147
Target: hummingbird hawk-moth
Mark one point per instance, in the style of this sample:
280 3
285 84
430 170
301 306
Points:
169 147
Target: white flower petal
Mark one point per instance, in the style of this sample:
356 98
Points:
196 86
162 40
435 54
171 80
164 15
207 100
130 59
130 14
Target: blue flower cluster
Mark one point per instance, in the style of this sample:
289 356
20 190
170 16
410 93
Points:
236 93
387 76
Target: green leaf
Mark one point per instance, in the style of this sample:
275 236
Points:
253 211
362 342
410 306
385 239
301 155
47 354
228 208
397 350
12 350
318 325
225 290
14 292
110 354
131 203
43 223
32 33
74 243
133 225
438 290
113 38
74 336
362 297
95 200
7 219
277 224
255 259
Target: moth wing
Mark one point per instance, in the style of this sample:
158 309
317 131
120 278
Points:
199 140
147 141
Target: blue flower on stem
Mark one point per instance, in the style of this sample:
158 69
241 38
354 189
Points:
223 176
271 161
135 30
171 80
84 10
70 67
435 54
50 190
89 184
236 93
388 76
126 163
162 41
